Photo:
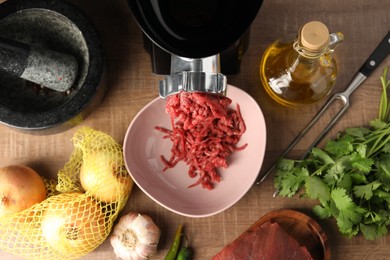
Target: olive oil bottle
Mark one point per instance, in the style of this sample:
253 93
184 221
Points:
301 71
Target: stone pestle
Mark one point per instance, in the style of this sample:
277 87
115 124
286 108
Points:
48 68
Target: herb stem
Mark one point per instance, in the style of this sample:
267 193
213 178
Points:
319 170
373 152
384 105
379 142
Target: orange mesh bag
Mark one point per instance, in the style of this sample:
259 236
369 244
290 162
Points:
81 206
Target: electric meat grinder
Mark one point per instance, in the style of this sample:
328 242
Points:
195 42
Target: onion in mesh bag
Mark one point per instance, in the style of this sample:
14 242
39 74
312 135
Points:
73 223
103 175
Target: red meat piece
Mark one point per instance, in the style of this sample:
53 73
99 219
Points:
266 242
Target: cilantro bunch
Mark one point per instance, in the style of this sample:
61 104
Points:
350 176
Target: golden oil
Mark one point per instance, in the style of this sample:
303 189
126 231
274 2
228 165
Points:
293 74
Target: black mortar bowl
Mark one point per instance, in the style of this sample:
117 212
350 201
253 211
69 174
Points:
59 26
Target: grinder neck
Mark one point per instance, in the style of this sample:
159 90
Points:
194 75
209 64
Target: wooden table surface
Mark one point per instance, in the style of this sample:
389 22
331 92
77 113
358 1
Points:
131 85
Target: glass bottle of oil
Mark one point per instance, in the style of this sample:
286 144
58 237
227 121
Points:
301 71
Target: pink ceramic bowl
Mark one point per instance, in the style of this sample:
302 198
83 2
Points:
143 146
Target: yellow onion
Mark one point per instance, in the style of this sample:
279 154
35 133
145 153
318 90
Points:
104 176
20 188
135 237
73 223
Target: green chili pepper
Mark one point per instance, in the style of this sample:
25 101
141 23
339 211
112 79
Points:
172 252
184 254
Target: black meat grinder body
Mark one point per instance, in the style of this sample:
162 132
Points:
204 37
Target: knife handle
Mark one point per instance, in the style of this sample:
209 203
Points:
378 55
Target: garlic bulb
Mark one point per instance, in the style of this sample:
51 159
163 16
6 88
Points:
135 237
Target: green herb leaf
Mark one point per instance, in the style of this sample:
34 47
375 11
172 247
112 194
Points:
378 124
358 132
349 214
361 150
338 169
322 212
288 182
341 199
285 164
383 195
339 148
362 164
345 182
386 148
373 231
358 178
317 189
366 191
321 156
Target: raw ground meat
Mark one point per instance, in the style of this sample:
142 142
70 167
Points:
204 133
268 241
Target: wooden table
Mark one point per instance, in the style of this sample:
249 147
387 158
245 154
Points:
131 85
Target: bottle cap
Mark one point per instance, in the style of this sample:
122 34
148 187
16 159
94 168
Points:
314 36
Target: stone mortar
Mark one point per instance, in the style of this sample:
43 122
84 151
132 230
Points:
60 26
